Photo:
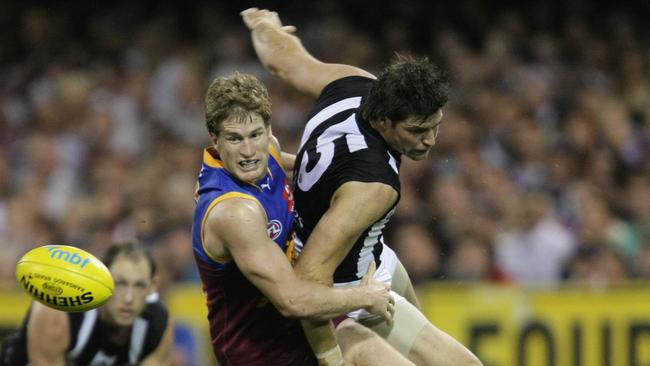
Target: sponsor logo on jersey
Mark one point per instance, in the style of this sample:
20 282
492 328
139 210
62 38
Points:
266 185
274 229
288 195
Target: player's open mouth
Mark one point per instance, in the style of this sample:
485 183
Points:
249 164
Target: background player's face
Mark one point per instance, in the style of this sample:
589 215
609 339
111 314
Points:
244 147
412 137
133 283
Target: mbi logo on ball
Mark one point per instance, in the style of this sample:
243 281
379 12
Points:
74 258
65 277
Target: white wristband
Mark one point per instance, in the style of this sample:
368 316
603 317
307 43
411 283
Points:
331 352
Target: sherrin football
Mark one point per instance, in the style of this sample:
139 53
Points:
65 278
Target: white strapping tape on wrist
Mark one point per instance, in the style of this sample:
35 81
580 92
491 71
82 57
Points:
330 352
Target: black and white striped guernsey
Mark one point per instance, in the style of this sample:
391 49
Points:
89 343
339 146
90 346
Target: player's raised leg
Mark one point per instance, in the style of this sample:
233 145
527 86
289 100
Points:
413 335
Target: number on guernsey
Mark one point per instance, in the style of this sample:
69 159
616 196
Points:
324 152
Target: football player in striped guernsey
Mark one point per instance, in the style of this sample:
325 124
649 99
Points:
132 328
346 177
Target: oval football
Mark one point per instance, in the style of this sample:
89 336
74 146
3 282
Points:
65 278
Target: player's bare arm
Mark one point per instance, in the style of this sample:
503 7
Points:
237 228
288 162
283 54
162 356
48 336
354 207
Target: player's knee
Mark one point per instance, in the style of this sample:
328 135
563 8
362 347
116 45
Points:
353 339
350 333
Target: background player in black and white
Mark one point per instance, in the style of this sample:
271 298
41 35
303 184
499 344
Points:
132 328
347 176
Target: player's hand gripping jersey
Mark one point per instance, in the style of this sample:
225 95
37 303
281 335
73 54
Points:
339 146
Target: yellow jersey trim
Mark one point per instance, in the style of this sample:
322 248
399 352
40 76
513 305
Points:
211 161
276 154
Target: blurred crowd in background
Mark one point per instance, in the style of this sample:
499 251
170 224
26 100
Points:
540 175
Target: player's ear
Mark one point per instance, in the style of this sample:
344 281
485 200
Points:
213 137
215 141
383 123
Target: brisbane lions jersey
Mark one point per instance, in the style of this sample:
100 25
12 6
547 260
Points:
339 146
246 329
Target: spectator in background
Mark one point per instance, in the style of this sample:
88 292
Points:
535 248
637 206
643 260
472 260
599 226
417 250
79 128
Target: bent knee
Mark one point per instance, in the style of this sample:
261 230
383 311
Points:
349 333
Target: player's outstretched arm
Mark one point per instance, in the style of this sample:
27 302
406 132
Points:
48 336
239 225
283 54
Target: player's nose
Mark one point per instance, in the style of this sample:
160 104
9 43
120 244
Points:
247 148
430 138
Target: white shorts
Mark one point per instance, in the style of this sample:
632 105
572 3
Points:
408 321
385 274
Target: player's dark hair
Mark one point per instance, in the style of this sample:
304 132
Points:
130 250
409 87
235 96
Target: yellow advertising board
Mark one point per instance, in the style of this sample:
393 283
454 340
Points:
568 326
503 325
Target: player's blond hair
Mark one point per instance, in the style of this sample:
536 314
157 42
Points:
238 96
